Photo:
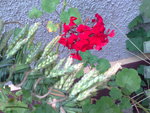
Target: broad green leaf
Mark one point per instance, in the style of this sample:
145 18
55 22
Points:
125 103
65 16
112 83
136 21
115 93
137 41
88 58
52 27
49 5
136 33
44 108
102 65
106 105
128 79
145 8
35 13
140 69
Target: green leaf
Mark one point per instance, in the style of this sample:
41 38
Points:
136 33
88 58
112 83
125 103
128 79
65 16
136 21
140 69
137 41
49 5
103 65
104 105
115 93
26 96
52 27
145 8
35 13
44 108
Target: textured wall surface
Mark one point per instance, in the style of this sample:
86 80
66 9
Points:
119 12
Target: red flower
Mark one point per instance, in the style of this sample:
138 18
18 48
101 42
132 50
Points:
76 56
83 37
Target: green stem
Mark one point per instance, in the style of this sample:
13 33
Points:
17 107
60 32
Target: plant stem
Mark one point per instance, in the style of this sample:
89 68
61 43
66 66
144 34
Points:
17 107
60 26
13 22
139 105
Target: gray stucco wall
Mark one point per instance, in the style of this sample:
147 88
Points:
120 12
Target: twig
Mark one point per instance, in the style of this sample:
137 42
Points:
16 107
137 95
41 97
36 83
57 91
24 79
142 100
139 105
13 22
130 40
57 13
138 57
135 105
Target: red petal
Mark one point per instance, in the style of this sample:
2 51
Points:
72 19
82 28
112 33
76 56
63 41
66 28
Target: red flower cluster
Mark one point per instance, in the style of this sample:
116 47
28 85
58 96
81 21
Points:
83 37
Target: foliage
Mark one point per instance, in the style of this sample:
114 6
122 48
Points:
65 16
105 104
144 8
49 5
139 35
35 13
48 82
125 79
101 64
136 21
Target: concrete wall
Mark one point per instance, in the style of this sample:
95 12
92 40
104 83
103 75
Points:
120 12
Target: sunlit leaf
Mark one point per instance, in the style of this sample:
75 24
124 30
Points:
128 79
35 13
65 15
49 5
52 27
